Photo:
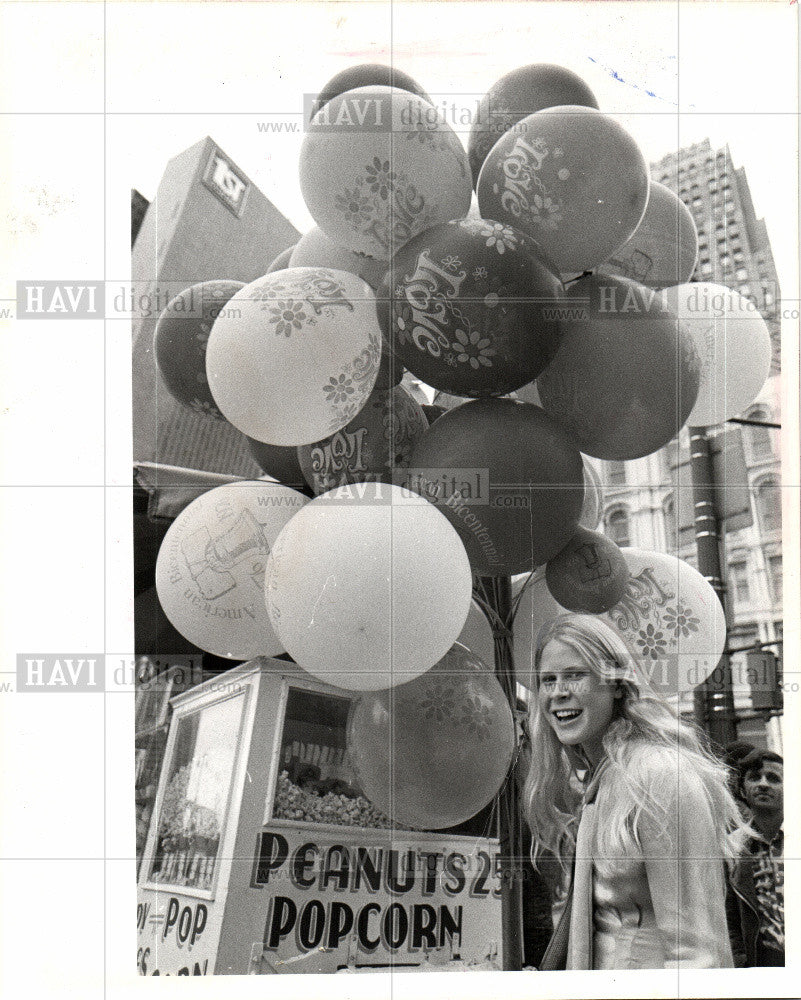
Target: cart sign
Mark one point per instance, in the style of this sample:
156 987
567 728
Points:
377 902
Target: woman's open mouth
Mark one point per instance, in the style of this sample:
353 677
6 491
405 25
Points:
567 714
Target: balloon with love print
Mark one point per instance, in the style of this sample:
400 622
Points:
431 753
315 249
371 448
626 374
375 170
367 75
181 338
589 574
507 477
669 617
468 306
571 178
515 96
210 567
368 586
664 247
297 357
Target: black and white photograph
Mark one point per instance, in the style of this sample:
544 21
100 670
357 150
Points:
400 472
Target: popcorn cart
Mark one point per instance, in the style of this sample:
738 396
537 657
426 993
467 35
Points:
263 856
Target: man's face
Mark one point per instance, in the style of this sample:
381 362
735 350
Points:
763 787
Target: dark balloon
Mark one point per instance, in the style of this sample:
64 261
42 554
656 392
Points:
367 75
378 440
180 341
590 574
571 178
626 374
517 95
507 478
466 307
277 461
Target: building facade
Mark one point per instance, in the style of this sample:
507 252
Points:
648 502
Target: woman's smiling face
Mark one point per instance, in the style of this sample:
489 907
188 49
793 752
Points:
578 704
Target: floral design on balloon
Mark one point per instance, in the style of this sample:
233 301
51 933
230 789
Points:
438 700
652 642
287 316
476 717
681 621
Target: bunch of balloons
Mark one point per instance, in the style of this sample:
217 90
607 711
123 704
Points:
537 283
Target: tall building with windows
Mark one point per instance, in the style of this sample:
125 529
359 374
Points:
648 502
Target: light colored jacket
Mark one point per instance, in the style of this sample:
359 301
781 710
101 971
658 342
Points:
664 905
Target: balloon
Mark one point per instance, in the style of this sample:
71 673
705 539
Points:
477 635
670 618
368 587
180 341
371 447
433 752
367 75
375 170
390 370
315 249
281 262
570 177
589 574
467 306
664 247
280 463
210 567
298 357
593 506
733 341
515 96
432 411
626 374
507 478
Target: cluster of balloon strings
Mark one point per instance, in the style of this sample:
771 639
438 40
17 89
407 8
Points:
553 316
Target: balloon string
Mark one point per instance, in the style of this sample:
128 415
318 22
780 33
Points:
516 602
584 274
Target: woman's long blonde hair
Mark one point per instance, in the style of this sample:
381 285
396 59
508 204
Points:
642 723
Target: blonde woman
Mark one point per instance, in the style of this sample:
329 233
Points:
650 834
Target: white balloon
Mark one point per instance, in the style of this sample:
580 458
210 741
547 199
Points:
368 587
734 345
664 247
670 619
294 355
210 567
379 165
315 249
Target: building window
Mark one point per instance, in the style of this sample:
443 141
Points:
616 473
775 576
738 580
768 503
759 437
671 527
617 527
